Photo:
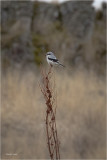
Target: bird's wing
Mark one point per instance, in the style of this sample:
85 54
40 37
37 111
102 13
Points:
52 56
53 59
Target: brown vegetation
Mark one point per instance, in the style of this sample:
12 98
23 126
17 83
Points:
48 89
80 116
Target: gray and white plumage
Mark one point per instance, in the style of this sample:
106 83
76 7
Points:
52 60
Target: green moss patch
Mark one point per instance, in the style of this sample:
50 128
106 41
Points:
40 46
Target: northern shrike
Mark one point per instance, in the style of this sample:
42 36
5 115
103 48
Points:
52 60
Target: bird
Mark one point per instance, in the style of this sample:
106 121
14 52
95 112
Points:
52 60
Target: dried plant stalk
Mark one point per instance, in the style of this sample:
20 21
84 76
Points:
49 92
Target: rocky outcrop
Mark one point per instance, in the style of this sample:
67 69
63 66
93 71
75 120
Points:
72 30
16 33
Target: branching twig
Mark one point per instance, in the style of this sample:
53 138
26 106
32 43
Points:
48 90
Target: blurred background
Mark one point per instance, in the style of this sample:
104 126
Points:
75 31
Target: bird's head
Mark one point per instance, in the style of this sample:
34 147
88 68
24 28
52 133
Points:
49 53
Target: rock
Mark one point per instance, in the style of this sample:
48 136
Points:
72 30
78 18
16 35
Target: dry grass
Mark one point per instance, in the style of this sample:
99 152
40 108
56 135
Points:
80 116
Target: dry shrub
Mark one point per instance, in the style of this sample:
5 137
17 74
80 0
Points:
49 92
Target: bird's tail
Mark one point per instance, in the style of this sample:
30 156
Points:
61 65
